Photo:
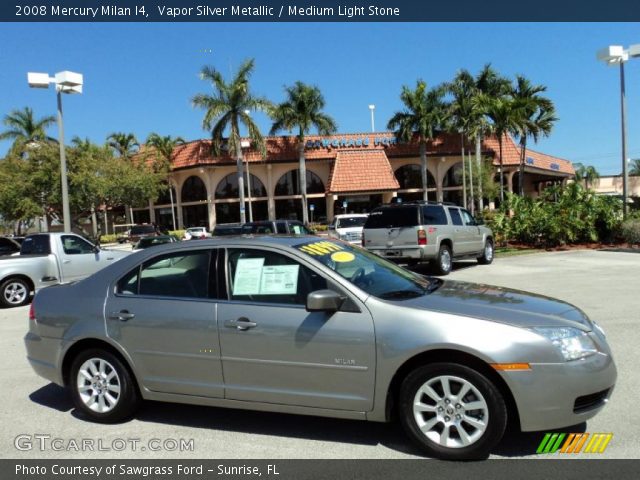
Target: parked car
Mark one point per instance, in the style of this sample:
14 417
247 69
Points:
47 259
283 227
8 246
194 233
425 231
147 242
317 326
140 231
348 227
222 229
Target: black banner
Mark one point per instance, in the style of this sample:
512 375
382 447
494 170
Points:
318 11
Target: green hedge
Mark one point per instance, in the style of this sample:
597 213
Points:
630 231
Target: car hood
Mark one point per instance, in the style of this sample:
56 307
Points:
499 304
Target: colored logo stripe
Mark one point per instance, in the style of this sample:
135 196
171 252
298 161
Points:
574 443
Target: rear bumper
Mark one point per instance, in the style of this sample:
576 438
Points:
555 395
42 353
426 252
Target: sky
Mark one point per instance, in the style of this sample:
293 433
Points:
140 78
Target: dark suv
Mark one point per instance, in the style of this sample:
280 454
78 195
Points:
140 231
425 231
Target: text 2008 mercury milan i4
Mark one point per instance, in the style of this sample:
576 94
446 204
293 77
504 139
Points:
320 327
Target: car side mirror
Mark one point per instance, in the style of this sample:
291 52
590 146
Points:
96 249
479 221
324 301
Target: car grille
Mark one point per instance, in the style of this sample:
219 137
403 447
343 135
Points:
589 402
353 236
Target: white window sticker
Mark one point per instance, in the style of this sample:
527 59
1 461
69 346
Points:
248 275
279 280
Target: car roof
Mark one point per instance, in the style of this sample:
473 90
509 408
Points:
346 215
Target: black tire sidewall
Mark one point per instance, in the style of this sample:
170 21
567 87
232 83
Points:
129 396
439 268
14 280
495 403
482 259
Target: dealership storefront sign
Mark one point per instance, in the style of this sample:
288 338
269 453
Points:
351 142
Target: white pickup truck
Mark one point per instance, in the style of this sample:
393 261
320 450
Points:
47 259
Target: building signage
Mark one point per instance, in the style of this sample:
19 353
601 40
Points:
351 142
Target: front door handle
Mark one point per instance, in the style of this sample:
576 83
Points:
122 315
242 323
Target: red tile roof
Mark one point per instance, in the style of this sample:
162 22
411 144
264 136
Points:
285 149
361 171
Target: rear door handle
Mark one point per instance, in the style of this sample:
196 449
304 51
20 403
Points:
242 323
122 315
66 261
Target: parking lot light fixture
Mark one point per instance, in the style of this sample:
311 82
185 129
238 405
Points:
65 82
618 55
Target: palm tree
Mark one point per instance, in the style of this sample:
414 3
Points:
586 173
634 167
464 114
124 144
491 85
229 107
424 114
24 129
302 110
538 117
164 146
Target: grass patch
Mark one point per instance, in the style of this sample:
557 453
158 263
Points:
513 251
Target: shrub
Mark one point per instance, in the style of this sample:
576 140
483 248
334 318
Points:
319 227
177 233
111 238
631 231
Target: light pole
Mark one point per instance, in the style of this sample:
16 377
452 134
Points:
611 55
65 82
247 144
373 125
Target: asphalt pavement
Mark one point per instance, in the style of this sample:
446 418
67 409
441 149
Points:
38 414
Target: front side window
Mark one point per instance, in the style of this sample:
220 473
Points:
264 276
367 271
181 274
73 245
468 218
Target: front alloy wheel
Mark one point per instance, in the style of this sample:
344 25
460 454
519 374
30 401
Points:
102 386
487 253
452 411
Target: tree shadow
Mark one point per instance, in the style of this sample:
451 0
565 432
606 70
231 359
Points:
620 250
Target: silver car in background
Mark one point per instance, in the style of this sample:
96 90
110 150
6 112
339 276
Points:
319 327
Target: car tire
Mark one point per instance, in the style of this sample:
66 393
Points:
102 387
443 261
460 425
15 292
487 253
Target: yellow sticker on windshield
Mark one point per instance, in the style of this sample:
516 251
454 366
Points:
343 257
320 248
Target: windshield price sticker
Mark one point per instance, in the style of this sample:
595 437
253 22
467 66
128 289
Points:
343 257
320 248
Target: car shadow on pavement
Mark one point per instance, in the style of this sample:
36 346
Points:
53 396
620 250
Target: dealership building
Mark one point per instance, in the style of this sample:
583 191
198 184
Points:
345 173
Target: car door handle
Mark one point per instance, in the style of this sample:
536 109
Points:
66 261
242 323
122 315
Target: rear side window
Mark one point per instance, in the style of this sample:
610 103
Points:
281 227
456 219
142 229
393 217
434 215
36 244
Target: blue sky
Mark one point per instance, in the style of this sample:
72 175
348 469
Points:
140 77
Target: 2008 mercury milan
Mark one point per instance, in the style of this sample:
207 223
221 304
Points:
319 327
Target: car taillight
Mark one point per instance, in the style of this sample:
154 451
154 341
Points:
422 237
32 313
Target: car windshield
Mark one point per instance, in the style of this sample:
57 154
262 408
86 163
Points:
374 275
148 241
141 229
350 222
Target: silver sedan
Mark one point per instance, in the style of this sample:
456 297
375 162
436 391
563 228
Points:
320 327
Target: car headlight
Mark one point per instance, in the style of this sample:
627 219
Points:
572 343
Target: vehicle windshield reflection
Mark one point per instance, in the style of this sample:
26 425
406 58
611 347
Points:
374 275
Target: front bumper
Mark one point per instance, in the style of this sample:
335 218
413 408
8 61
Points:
555 395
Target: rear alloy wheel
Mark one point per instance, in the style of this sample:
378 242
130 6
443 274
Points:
444 261
452 411
102 387
487 253
14 292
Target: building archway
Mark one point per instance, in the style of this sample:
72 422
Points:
410 180
287 196
227 190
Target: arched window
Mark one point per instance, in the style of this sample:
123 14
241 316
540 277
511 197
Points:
193 190
289 184
409 176
228 187
453 177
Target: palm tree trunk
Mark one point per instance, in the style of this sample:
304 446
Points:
471 199
423 169
479 164
303 181
501 172
239 166
464 175
523 152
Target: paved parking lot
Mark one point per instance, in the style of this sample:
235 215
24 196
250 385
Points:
604 284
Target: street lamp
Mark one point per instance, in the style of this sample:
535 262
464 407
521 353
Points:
65 82
612 55
247 144
372 108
